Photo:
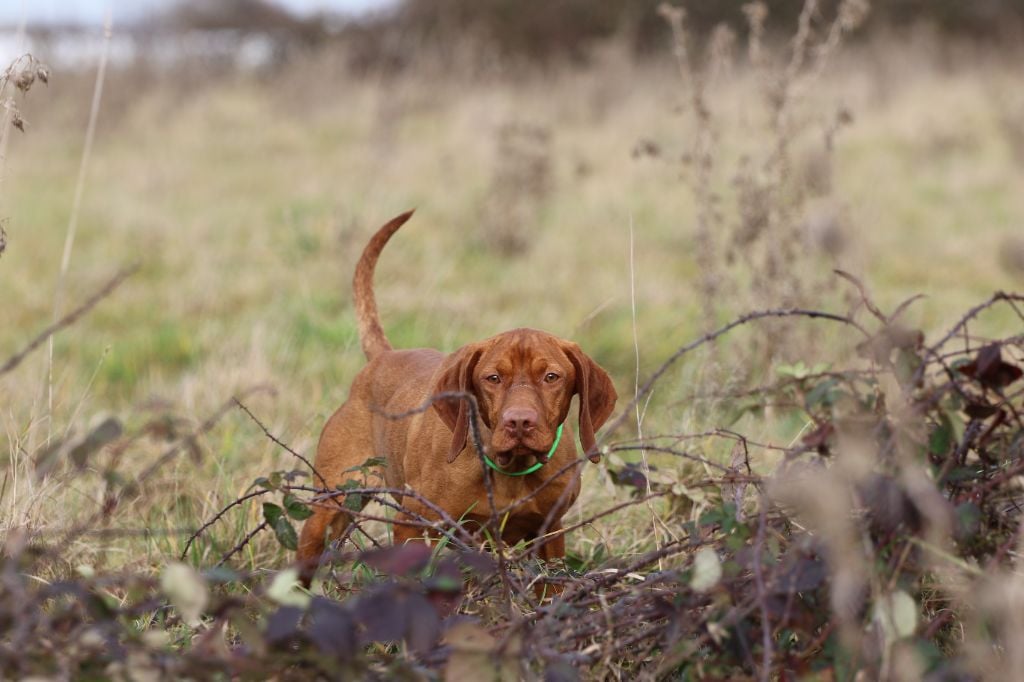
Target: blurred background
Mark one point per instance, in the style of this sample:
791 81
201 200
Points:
622 174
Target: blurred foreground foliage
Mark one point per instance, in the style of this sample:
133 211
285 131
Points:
885 543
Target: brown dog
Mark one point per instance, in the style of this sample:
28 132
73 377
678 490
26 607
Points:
523 381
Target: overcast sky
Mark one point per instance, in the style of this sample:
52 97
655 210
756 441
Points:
92 11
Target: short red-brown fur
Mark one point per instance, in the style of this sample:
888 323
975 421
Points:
427 451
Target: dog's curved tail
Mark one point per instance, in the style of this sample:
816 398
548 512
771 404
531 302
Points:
371 334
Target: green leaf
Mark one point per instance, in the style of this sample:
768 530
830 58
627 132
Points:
354 501
221 575
968 521
283 529
797 370
368 465
272 512
941 439
296 508
957 422
959 474
907 364
286 534
823 394
272 483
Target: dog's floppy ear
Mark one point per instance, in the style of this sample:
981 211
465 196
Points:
456 375
597 397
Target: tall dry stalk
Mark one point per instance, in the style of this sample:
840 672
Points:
763 251
656 529
702 157
9 111
76 206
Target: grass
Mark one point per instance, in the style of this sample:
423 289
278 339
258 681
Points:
247 212
247 203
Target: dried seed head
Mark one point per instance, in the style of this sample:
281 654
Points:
43 73
756 13
720 47
25 79
674 15
3 238
852 13
17 121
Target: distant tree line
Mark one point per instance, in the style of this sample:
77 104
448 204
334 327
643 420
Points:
545 31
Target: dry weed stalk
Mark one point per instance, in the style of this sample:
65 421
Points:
16 80
76 204
764 251
701 157
522 183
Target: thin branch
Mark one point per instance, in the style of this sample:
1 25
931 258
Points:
712 336
766 631
69 319
279 442
974 312
245 541
208 424
217 517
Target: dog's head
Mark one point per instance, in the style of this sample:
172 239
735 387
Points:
524 381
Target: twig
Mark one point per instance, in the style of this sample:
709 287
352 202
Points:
208 424
493 522
69 319
766 631
864 298
245 541
669 451
279 442
322 495
636 387
974 312
594 517
711 336
474 412
217 517
111 501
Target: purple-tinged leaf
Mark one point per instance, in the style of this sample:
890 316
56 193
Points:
399 559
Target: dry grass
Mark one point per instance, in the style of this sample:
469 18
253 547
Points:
247 202
247 219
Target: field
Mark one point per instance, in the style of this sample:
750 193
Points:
571 200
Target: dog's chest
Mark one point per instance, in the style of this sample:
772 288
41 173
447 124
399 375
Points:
525 499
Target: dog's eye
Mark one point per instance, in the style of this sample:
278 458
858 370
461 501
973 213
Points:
551 377
493 378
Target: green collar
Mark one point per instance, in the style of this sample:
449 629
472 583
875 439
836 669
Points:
537 465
